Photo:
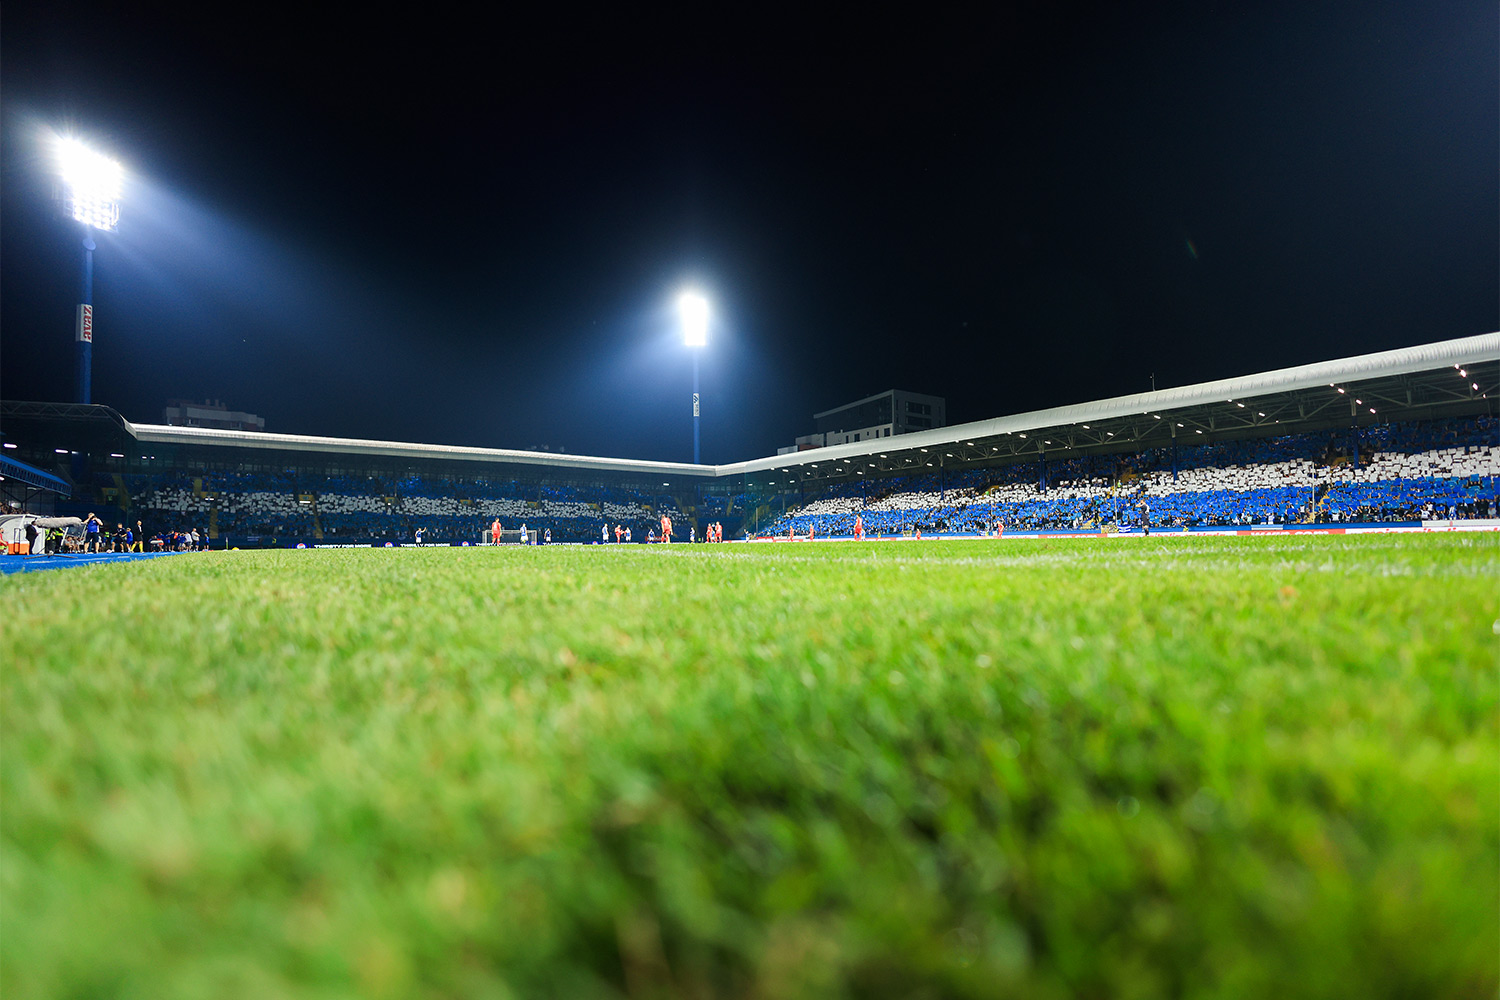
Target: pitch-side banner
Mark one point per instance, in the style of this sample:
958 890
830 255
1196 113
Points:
86 323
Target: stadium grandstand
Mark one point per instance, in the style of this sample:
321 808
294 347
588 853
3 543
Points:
1404 435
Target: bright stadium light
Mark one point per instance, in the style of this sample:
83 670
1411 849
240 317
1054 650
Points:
692 310
88 192
91 185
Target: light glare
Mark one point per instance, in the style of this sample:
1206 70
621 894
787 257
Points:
693 309
93 184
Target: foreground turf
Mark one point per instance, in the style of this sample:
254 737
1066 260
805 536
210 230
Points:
1232 767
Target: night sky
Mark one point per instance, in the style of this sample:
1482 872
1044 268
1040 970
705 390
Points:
400 223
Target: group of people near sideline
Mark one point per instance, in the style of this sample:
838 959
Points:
94 538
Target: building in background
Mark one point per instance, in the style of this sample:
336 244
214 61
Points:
885 414
184 413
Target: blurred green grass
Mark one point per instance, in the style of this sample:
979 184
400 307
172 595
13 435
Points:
1216 767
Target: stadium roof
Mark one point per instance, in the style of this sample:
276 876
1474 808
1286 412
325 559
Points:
1410 382
167 434
33 477
1434 379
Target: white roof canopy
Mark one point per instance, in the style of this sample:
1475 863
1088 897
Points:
1464 351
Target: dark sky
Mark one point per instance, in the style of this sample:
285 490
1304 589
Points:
406 224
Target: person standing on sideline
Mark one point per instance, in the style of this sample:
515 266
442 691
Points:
604 535
495 532
91 533
859 528
140 537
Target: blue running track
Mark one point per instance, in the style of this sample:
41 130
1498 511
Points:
31 564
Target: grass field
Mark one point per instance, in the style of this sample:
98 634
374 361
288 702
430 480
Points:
1234 767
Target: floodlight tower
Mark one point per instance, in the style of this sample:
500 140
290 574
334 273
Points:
89 193
692 308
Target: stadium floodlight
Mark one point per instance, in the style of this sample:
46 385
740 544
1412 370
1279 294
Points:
91 185
89 193
692 310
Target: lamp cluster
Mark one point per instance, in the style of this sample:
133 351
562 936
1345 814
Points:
91 185
692 308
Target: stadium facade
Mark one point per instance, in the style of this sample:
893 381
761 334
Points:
109 461
882 415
